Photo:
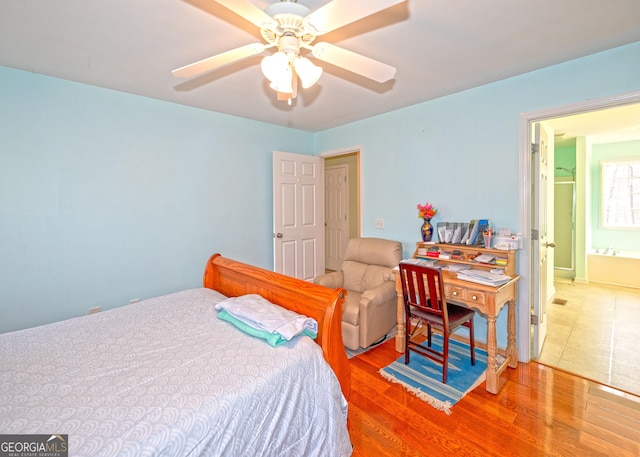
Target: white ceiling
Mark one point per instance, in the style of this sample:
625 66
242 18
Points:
609 125
438 46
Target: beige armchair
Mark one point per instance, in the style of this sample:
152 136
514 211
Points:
366 272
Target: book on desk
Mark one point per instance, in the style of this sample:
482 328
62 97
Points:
487 278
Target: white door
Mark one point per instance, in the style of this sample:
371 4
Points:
542 158
298 215
336 213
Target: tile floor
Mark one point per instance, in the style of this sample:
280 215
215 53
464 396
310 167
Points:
595 334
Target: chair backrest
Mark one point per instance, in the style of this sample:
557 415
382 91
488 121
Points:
423 288
368 262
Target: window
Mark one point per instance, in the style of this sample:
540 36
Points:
621 194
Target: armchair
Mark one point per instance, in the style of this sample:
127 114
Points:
369 312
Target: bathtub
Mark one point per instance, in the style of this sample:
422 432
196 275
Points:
621 269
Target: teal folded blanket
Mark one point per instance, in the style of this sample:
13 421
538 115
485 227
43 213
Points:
262 319
274 339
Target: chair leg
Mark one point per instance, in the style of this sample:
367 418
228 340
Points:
407 338
406 352
445 358
429 335
472 343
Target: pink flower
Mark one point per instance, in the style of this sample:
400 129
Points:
426 211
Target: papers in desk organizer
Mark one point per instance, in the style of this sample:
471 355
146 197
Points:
488 278
472 230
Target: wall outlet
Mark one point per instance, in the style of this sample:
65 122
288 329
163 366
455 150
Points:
380 224
134 300
94 310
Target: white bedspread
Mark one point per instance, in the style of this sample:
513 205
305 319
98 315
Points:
165 377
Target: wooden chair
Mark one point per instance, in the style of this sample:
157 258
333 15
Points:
423 291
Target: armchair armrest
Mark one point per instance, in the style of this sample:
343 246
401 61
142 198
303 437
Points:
381 294
378 312
331 280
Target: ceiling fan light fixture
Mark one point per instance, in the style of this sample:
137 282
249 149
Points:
282 87
308 72
284 82
274 65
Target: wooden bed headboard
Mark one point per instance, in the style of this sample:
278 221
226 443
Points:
233 278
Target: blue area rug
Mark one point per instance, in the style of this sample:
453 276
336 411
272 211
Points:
423 377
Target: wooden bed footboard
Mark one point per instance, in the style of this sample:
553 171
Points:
233 278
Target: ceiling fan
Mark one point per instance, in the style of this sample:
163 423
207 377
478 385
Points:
290 27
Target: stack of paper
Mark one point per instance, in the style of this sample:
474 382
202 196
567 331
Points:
433 263
487 278
457 267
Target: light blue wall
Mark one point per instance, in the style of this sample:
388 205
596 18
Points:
106 196
460 152
618 239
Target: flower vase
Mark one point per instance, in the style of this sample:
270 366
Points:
426 230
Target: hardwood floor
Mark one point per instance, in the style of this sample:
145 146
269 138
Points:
540 411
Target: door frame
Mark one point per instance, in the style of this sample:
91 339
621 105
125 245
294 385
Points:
359 151
526 201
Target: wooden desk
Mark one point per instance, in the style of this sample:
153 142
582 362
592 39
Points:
486 300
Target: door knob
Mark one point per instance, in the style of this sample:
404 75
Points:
550 245
278 235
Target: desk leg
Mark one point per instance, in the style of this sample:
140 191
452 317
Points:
512 351
492 366
400 321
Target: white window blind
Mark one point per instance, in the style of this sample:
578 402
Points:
621 194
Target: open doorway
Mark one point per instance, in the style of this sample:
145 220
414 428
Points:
591 321
342 204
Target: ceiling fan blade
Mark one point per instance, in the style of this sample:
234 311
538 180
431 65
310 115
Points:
250 12
219 60
338 13
357 63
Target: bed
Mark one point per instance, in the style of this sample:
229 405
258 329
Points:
166 377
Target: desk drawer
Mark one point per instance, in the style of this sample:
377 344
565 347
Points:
453 292
474 296
464 294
